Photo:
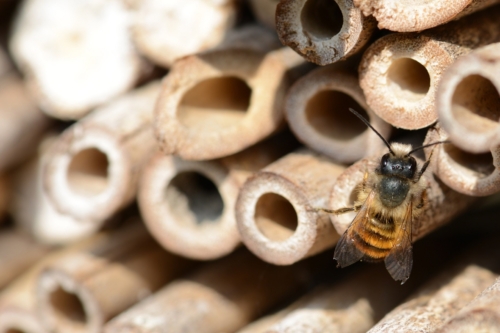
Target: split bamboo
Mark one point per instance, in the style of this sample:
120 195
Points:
471 174
92 169
275 210
159 27
446 294
317 110
442 203
323 32
189 205
407 16
399 73
34 213
75 55
468 100
482 314
220 102
220 297
82 291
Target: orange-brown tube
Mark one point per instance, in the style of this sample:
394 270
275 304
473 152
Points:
323 32
399 73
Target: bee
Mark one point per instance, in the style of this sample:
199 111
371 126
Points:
388 201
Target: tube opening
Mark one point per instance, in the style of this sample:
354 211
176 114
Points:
480 164
194 198
476 104
88 172
328 113
68 308
321 19
275 217
215 103
409 79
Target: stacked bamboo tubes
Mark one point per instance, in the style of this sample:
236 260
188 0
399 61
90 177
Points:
170 165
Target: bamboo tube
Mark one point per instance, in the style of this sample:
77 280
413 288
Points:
33 211
418 15
442 203
265 11
221 297
316 108
471 174
82 291
482 314
399 73
92 170
275 208
208 22
323 32
76 55
22 125
189 205
468 101
17 253
443 296
220 102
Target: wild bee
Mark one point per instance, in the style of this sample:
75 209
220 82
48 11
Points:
389 199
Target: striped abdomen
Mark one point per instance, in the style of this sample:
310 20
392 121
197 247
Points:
375 238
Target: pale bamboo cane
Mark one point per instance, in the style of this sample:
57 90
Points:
468 100
482 314
316 108
220 102
92 169
76 55
160 28
275 208
471 174
189 205
406 16
445 295
220 297
82 291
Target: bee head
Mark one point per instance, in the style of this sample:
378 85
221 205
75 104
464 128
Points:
400 166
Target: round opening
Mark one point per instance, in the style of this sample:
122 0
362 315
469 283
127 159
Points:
409 79
321 19
476 104
275 217
480 164
88 172
68 308
194 198
215 103
328 113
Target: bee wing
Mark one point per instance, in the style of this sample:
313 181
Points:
399 261
346 253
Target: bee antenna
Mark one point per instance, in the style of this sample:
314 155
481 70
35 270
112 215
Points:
427 145
367 123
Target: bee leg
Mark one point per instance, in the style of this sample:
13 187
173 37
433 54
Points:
338 211
423 200
424 167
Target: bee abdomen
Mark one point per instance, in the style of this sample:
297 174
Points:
372 246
